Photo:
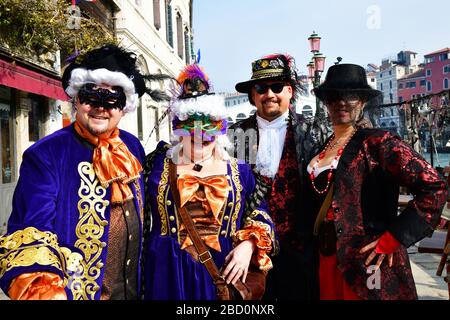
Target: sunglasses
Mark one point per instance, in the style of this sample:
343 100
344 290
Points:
262 88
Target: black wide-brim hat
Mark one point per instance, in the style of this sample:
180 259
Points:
269 68
345 79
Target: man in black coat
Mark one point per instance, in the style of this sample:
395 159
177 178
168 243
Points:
278 143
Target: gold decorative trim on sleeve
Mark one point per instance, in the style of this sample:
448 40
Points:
89 230
237 183
266 216
30 246
160 197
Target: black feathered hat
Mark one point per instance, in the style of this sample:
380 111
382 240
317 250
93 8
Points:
115 66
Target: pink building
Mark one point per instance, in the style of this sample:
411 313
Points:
412 86
437 71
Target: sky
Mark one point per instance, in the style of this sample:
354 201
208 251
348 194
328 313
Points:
232 33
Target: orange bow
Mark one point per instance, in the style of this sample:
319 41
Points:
216 191
113 163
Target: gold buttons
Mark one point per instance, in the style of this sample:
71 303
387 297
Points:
130 237
226 218
168 202
103 244
96 288
230 204
103 223
106 203
223 232
173 230
128 262
172 218
100 265
127 213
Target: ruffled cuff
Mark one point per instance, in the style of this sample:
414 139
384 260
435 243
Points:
37 286
387 244
263 244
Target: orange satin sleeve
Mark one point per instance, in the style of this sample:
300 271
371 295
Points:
263 244
37 286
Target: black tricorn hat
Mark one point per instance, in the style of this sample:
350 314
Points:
345 79
272 67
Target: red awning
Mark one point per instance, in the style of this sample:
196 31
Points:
18 77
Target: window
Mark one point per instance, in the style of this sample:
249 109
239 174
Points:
180 37
241 116
411 84
430 59
156 15
381 75
443 56
6 135
423 83
428 72
429 86
445 83
390 72
400 99
392 112
400 85
36 117
390 84
446 68
169 30
391 97
381 86
187 46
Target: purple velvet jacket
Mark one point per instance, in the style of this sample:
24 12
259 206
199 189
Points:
60 217
365 203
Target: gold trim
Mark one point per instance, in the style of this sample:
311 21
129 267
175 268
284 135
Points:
89 230
160 197
237 183
230 182
20 252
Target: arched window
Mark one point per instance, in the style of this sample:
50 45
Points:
241 116
253 112
169 30
180 37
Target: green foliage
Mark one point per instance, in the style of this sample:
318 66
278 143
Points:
36 27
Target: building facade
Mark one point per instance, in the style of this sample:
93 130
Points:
32 101
437 71
391 70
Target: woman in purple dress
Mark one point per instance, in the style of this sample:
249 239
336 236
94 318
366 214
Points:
214 189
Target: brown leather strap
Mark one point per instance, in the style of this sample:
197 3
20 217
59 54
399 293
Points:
204 255
323 210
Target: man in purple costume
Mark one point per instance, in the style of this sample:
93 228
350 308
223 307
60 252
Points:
76 224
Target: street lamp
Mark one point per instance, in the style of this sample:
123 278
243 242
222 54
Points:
315 69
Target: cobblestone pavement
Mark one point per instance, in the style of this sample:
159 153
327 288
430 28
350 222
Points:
424 266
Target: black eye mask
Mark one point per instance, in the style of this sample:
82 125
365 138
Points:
100 97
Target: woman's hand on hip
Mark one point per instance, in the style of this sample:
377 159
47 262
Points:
373 254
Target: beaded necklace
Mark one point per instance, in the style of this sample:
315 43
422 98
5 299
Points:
335 159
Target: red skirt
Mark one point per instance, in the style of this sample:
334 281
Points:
332 283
